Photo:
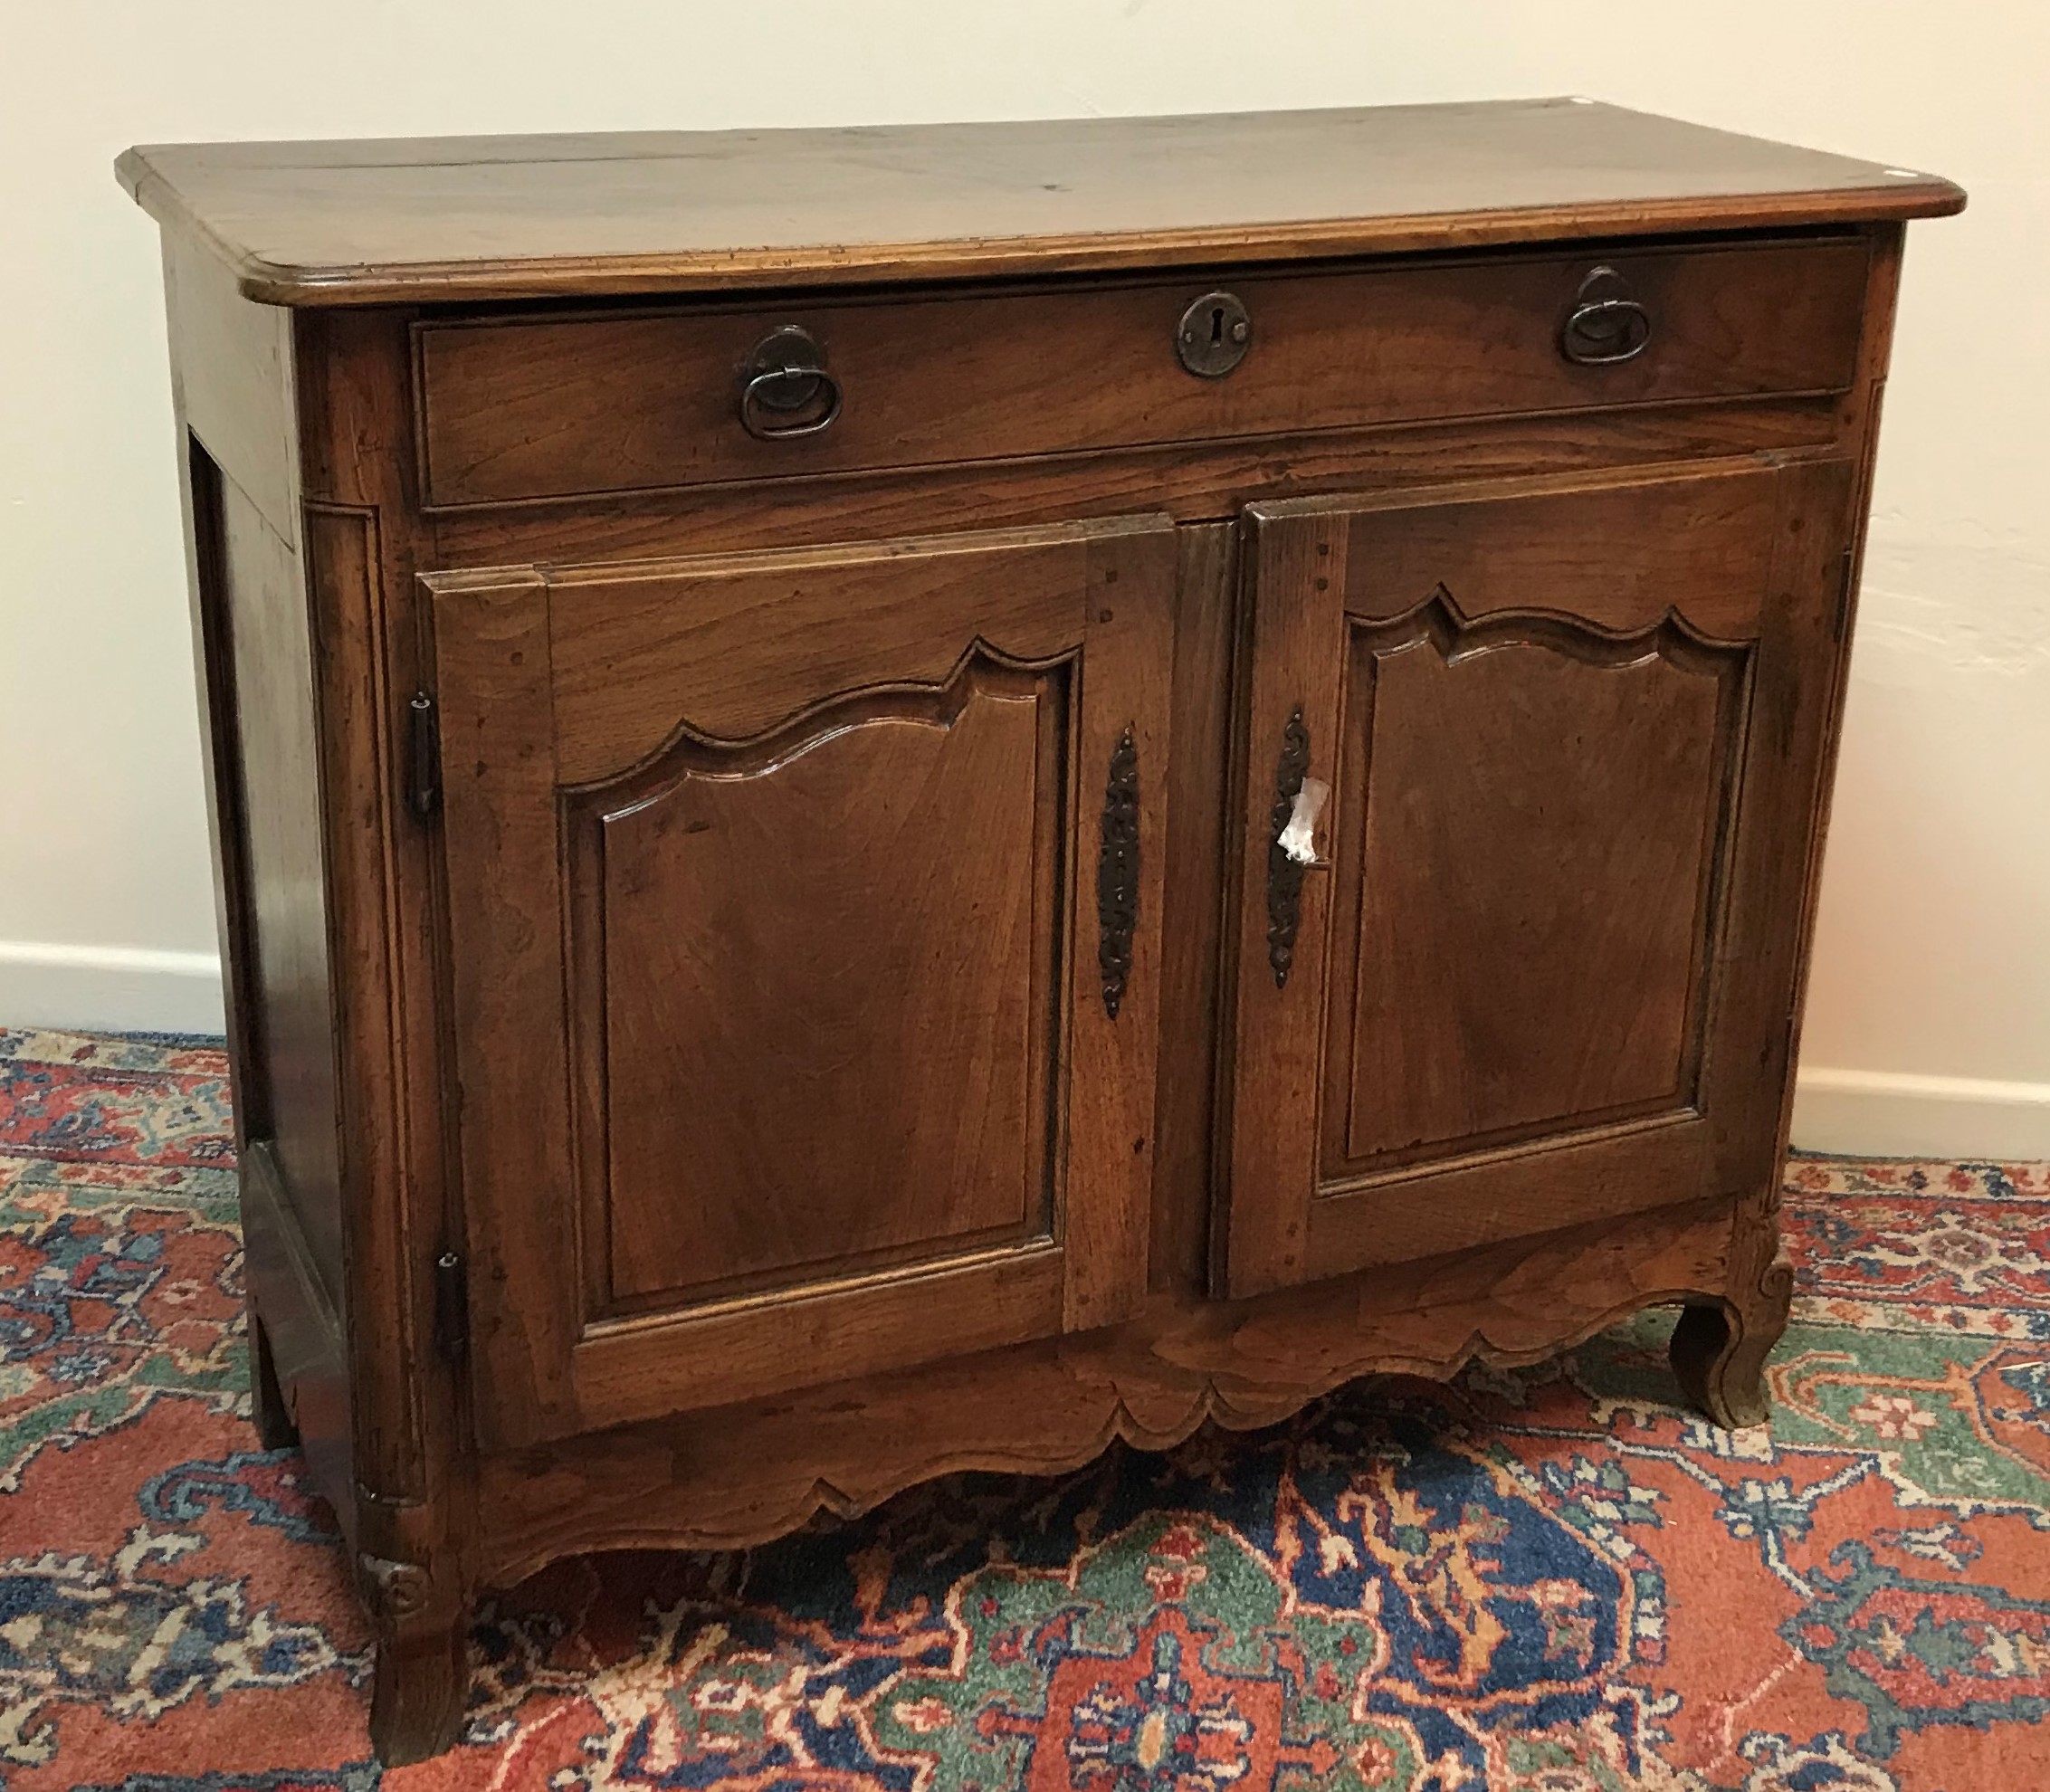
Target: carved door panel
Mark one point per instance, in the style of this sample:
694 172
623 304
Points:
803 914
1540 965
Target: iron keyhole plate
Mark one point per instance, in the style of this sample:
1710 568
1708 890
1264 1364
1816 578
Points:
1214 335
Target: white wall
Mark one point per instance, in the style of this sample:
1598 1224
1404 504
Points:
1934 960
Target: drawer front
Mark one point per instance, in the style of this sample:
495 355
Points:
562 407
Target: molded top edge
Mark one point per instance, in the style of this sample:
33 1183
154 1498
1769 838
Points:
404 221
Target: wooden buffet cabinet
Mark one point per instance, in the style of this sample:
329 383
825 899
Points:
768 699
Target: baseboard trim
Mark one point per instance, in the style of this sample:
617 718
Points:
109 988
1893 1114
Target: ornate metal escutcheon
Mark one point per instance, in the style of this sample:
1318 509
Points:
1285 872
1117 873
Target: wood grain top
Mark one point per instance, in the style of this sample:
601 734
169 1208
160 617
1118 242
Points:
412 220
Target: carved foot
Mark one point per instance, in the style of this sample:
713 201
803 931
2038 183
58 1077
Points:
1719 1350
268 1409
423 1672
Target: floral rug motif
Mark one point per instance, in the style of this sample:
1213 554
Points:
1547 1580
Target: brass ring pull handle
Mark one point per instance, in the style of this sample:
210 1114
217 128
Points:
786 379
1605 325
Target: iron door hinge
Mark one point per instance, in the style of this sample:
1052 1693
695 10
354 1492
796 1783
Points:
424 757
452 1307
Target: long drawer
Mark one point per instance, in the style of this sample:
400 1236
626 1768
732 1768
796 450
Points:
553 406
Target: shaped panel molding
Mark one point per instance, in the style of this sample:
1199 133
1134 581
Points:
846 930
1535 824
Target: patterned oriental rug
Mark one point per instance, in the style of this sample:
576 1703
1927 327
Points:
1553 1580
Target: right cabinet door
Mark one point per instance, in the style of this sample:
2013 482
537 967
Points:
1532 960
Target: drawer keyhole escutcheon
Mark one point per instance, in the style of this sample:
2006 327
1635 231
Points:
787 390
1214 334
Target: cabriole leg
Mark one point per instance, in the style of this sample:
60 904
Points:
1719 1349
423 1667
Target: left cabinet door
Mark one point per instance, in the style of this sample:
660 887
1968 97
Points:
803 940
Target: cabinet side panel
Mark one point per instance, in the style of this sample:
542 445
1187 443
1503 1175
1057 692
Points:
231 374
1876 349
232 388
245 585
204 491
232 362
232 371
287 987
